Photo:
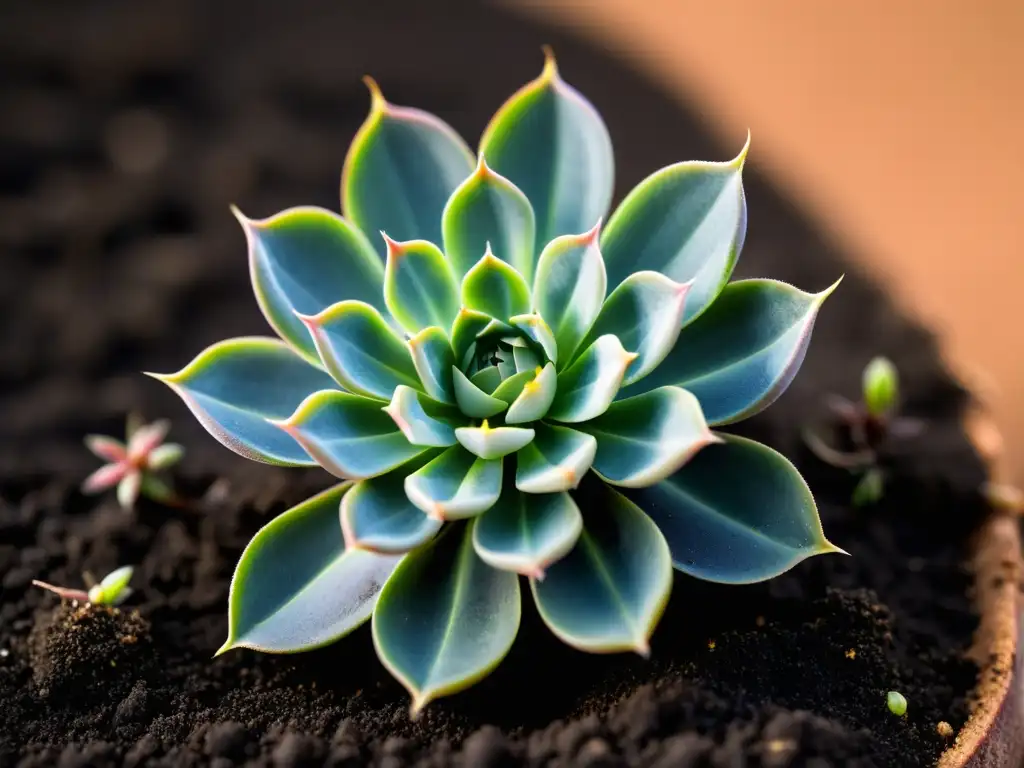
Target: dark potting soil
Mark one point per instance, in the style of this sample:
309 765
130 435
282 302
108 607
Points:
127 130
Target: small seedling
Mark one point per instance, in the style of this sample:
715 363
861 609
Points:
135 463
867 426
112 590
897 703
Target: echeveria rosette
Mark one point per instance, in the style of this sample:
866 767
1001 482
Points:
506 388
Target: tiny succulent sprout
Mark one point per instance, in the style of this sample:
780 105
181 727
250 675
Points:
133 465
869 488
479 351
112 590
896 702
881 387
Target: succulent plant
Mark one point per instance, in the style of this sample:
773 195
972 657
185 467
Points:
112 590
507 389
133 466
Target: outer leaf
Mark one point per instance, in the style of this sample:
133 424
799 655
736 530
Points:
296 587
645 313
622 564
556 459
741 354
535 399
420 289
493 442
348 435
400 170
525 534
432 357
472 400
445 619
235 386
535 329
377 515
488 211
495 288
303 260
421 419
360 351
455 485
644 439
687 221
569 288
551 142
737 513
587 387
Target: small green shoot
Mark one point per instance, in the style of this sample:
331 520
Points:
112 590
897 703
881 387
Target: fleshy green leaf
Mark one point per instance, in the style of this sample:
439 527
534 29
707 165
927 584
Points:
551 142
422 420
569 288
455 485
622 566
513 386
737 513
400 170
535 399
556 459
235 386
432 357
361 351
645 313
588 386
420 289
526 533
445 619
472 400
495 288
487 379
350 436
687 221
493 442
741 354
377 515
644 439
305 259
526 359
468 325
488 211
534 327
296 587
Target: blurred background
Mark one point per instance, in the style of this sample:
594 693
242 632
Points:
897 125
892 131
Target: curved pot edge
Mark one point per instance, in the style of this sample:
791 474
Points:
993 736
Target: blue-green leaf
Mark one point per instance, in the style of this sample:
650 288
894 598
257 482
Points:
296 587
609 592
537 331
445 619
376 515
423 421
513 386
400 170
588 386
489 442
645 313
687 221
569 288
466 327
472 400
361 351
535 399
455 485
350 436
487 379
495 288
420 289
432 357
556 459
644 439
235 386
526 533
525 359
737 513
741 354
304 259
551 142
488 211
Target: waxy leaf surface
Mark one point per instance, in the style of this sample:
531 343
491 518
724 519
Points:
420 289
433 359
555 460
495 288
472 400
378 516
493 442
535 399
423 421
455 485
588 386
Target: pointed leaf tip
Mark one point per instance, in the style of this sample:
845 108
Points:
377 101
550 71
